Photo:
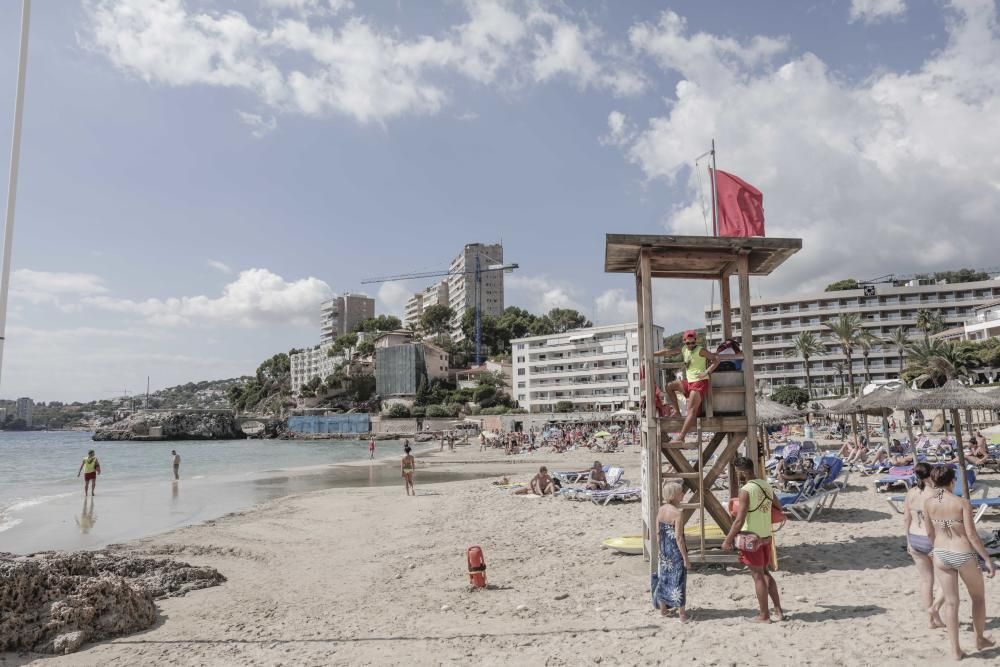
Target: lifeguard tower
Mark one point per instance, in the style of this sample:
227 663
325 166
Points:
729 412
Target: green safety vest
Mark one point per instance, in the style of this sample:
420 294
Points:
90 465
695 363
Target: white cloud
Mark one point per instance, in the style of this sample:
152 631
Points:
294 62
392 297
873 11
54 286
614 307
888 174
540 294
221 267
255 297
259 126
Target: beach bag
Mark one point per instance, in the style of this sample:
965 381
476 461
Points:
777 516
747 541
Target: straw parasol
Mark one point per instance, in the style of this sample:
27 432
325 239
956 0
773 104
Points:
772 412
893 399
955 396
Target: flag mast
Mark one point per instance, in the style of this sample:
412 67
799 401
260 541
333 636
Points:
715 195
15 158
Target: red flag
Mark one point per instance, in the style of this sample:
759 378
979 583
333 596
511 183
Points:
741 206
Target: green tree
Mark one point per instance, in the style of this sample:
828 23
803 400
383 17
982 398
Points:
867 341
274 368
934 362
378 324
563 406
846 330
566 319
366 348
344 344
398 411
436 320
840 285
806 345
792 395
929 322
899 339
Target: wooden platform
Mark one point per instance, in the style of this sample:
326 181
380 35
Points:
697 257
670 425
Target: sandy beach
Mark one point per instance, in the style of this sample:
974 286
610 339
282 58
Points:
370 576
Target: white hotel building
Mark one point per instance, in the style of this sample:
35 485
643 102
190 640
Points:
882 309
312 362
595 369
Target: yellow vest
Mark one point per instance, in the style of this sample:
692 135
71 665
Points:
759 508
90 465
695 363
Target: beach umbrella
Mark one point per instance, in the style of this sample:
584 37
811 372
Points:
772 412
894 399
602 434
955 396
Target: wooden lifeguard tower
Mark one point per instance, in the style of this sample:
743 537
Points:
729 411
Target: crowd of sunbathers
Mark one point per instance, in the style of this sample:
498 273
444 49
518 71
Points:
544 484
604 438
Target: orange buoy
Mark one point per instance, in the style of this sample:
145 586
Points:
477 567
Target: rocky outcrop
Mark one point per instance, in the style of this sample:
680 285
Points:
173 426
55 602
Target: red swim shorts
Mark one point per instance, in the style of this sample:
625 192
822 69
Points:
759 558
701 386
89 476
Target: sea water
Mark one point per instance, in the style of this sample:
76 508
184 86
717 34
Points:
41 498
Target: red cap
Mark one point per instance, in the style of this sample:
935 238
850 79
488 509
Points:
690 333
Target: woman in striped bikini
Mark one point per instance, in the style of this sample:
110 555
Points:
957 551
916 539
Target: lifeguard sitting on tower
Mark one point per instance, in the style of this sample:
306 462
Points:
698 366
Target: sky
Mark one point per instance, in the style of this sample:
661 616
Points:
198 175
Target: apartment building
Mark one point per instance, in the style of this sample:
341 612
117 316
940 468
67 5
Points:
25 410
462 283
313 362
596 369
342 313
983 323
435 295
882 309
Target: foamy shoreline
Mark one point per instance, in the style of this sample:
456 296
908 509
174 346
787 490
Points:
369 576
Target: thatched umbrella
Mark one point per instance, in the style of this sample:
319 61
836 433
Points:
955 396
771 412
894 399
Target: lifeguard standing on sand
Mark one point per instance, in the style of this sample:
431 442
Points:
698 366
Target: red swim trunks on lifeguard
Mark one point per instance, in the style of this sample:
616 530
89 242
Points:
759 558
701 386
89 476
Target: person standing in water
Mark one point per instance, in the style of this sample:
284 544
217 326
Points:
371 448
177 463
408 464
91 468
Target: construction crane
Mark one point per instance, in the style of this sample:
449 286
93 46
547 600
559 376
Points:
478 271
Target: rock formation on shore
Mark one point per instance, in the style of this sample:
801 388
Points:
55 602
174 425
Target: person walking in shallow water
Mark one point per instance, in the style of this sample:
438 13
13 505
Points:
408 464
177 463
91 468
371 449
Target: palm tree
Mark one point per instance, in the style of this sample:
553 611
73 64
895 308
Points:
899 340
839 367
936 361
866 341
929 322
806 345
846 329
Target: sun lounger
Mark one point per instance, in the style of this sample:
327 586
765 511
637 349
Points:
981 505
809 500
621 493
897 475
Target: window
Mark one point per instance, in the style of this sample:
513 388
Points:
520 385
520 360
635 390
635 376
635 348
635 362
520 371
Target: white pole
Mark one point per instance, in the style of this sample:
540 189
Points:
15 158
715 195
